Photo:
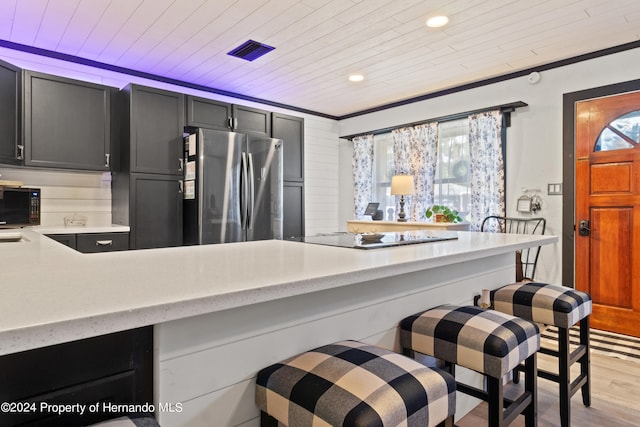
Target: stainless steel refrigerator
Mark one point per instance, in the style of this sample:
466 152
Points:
232 187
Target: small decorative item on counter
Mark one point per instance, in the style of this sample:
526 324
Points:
75 220
442 214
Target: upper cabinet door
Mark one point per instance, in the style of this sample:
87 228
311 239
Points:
156 128
66 122
10 79
251 120
202 112
290 130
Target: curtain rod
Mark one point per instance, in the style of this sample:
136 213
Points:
504 108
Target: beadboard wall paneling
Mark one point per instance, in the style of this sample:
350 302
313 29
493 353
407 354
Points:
322 184
67 193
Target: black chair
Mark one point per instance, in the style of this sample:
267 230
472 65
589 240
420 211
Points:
526 259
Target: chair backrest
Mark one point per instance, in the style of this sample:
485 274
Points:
529 256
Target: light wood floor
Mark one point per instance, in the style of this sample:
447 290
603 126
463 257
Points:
615 397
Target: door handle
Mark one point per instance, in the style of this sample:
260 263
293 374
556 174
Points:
583 227
251 192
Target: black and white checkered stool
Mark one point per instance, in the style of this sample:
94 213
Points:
353 384
562 307
486 341
144 421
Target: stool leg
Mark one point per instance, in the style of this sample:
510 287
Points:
267 420
585 361
564 379
495 401
447 423
531 386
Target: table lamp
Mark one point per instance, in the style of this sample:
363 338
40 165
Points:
402 185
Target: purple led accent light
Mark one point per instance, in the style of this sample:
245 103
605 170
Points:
128 71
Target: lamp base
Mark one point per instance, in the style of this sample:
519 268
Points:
401 215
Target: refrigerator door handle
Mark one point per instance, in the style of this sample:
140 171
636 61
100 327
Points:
251 192
243 191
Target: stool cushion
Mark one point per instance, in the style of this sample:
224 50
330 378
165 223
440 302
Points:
543 303
128 422
353 384
486 341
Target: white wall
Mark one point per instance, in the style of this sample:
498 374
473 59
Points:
321 145
534 140
84 194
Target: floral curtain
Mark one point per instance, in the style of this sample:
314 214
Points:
486 168
415 151
362 163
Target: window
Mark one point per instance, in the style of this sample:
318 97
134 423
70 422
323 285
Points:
621 133
383 170
452 169
451 185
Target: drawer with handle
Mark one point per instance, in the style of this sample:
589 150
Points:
102 242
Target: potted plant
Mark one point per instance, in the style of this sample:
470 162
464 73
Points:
443 214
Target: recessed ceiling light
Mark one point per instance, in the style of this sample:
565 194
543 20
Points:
437 21
356 77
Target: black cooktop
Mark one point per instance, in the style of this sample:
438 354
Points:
378 240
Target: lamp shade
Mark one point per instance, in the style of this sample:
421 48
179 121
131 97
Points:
402 185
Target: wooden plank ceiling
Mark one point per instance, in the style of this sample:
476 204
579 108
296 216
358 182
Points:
320 42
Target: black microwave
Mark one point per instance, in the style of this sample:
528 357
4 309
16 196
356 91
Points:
19 207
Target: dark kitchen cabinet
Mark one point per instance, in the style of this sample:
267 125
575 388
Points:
151 205
203 112
94 242
67 123
146 188
116 368
290 130
251 120
10 117
152 127
89 243
65 239
293 210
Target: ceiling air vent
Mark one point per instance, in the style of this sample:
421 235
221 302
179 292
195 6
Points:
250 50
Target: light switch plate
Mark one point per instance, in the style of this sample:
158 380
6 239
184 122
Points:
554 189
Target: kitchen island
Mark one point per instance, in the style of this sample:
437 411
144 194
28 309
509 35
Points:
222 312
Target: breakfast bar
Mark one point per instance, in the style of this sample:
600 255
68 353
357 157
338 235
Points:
223 312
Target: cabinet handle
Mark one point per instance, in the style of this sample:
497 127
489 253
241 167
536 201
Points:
180 164
235 123
230 122
107 160
104 242
180 187
20 154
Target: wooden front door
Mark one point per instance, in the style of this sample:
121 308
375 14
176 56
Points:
607 238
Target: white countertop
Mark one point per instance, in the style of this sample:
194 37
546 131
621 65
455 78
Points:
62 229
51 294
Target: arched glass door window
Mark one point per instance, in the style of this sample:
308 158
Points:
621 133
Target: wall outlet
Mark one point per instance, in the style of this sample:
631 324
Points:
554 189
